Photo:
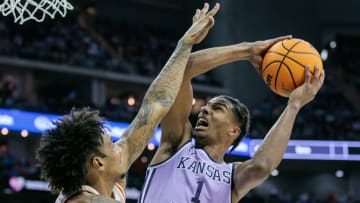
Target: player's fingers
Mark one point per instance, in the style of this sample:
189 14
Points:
214 10
278 39
205 9
196 16
307 74
282 38
322 76
317 72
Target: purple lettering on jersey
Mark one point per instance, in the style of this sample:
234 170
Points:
190 175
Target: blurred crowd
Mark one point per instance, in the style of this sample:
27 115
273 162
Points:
329 117
143 51
11 166
131 49
68 43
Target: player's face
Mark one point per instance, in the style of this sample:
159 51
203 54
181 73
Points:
214 121
112 157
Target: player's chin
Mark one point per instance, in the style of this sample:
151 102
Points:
199 134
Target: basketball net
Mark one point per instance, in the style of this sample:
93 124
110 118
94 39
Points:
24 10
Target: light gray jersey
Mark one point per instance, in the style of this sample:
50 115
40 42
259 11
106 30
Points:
190 175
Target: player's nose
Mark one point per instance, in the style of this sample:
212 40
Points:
204 110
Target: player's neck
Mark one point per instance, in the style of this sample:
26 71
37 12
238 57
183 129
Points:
216 152
105 188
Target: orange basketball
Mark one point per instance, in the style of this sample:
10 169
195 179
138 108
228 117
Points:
284 64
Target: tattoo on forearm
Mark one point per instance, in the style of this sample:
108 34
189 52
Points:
165 87
144 113
162 91
140 143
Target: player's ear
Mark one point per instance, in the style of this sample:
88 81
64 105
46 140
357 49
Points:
234 131
97 163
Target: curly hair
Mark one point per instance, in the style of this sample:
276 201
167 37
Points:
65 149
242 115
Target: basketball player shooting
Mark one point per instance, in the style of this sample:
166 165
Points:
183 171
77 156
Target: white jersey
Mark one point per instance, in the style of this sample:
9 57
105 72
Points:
118 193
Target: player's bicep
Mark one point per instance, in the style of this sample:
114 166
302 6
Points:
175 126
172 129
175 123
247 176
170 142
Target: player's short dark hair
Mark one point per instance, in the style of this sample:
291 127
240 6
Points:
65 149
242 115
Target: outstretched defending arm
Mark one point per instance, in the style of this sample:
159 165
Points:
162 92
254 171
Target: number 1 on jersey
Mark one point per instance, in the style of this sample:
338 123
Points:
198 191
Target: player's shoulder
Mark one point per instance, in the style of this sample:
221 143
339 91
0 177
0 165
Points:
81 197
85 197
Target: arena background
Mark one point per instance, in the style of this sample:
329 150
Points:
105 53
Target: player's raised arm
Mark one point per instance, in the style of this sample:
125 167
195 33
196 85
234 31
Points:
268 156
162 92
207 59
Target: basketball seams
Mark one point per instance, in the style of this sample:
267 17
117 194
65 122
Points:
291 74
286 56
292 59
298 52
269 65
282 62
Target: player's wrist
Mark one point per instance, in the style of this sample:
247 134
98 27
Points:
183 43
294 105
244 49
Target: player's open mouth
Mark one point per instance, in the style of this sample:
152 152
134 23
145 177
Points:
202 124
